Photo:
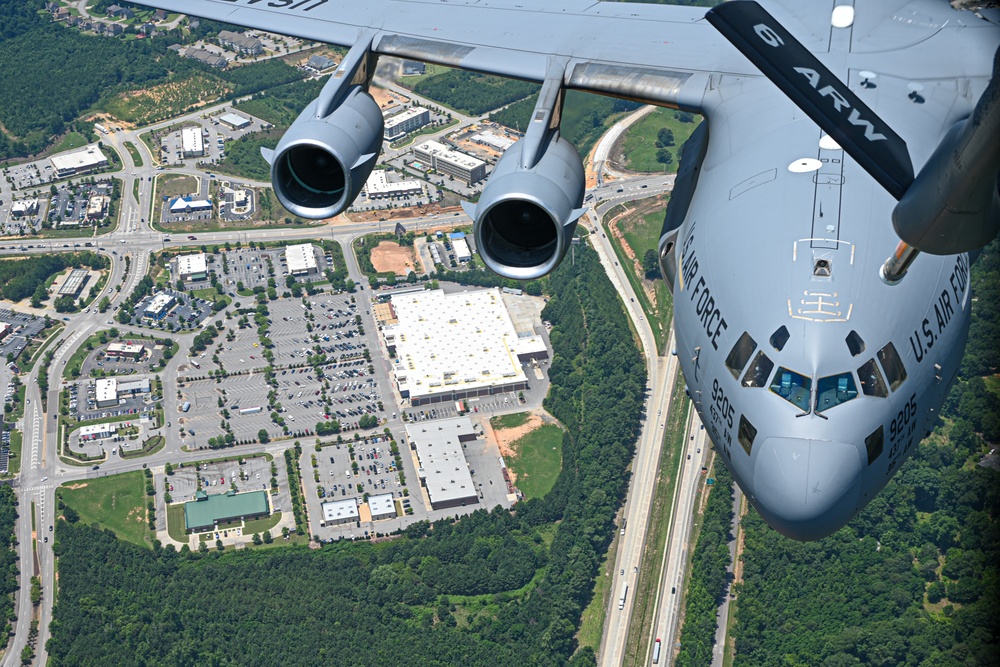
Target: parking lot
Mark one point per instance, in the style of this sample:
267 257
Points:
376 473
25 327
82 404
252 269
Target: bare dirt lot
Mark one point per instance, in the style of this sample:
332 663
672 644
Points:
389 256
383 97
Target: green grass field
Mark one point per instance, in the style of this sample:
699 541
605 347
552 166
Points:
14 462
116 502
134 152
175 185
509 421
69 142
539 457
175 523
640 147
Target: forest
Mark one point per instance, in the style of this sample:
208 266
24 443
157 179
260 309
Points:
473 94
50 74
708 581
21 278
8 561
493 588
913 579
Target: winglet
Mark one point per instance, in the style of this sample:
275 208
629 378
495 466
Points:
470 209
814 89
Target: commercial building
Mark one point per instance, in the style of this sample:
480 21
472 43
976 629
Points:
79 162
234 121
108 391
340 511
398 126
462 252
190 205
241 42
205 511
191 142
378 186
452 163
382 506
301 259
125 351
20 209
159 306
74 283
97 207
448 347
494 141
442 468
192 267
97 431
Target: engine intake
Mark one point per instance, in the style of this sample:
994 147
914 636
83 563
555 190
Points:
525 218
321 164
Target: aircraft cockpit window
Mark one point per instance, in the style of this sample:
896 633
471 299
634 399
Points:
759 371
740 354
793 387
895 372
747 433
834 390
873 444
871 380
855 344
779 338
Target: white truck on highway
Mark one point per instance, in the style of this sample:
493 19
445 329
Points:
621 598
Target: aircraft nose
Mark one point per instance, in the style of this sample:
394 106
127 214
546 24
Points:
806 489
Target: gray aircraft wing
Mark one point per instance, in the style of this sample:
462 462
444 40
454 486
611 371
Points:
657 54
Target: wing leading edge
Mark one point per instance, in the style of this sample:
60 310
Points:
655 54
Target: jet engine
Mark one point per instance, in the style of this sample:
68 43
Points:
526 216
324 159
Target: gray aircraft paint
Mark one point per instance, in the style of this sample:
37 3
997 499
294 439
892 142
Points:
754 229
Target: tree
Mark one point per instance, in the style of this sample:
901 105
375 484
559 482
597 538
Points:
650 265
262 436
664 156
267 537
41 294
665 137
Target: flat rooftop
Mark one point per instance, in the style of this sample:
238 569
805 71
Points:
448 342
223 507
442 460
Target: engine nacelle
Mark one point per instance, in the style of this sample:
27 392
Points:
525 218
321 164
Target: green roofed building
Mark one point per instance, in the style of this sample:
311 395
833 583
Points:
205 511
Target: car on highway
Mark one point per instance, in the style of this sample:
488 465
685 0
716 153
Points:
191 237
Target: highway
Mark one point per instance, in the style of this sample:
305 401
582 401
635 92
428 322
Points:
42 470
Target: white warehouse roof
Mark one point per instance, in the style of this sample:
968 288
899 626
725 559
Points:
448 342
382 506
300 258
341 510
190 264
191 140
106 390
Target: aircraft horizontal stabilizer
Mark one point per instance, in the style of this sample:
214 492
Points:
813 88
